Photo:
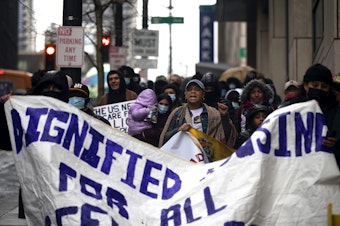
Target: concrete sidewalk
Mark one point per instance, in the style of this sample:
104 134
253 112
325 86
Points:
9 213
9 191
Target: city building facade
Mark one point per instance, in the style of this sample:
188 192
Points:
285 37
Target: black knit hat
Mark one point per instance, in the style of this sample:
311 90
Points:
58 78
318 72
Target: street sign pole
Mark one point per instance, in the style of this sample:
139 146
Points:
168 20
170 41
144 71
72 16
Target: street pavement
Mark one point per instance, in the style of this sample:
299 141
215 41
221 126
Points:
9 191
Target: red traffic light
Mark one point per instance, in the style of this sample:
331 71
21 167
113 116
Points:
50 50
106 41
50 56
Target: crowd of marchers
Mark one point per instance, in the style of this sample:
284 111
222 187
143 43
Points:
229 110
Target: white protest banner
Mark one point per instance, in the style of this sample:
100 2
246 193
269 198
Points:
194 151
75 170
116 114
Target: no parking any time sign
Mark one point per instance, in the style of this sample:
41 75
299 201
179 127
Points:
70 46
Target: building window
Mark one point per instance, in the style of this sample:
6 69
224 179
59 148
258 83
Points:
318 18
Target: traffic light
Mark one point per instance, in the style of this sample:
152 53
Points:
106 43
50 57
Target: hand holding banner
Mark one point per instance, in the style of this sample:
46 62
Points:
116 114
75 170
213 149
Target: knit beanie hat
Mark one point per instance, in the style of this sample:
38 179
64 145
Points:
318 72
58 78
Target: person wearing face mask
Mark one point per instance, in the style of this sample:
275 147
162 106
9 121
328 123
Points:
132 80
213 98
317 85
79 97
173 91
212 89
52 84
233 83
164 106
233 101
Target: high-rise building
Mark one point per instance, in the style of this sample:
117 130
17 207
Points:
26 29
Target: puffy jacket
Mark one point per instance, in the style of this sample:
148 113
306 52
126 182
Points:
139 110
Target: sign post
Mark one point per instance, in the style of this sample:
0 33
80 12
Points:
70 46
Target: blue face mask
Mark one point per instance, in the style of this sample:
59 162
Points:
127 81
223 92
173 97
232 86
235 105
162 109
78 102
271 100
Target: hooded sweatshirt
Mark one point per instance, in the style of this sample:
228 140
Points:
117 96
247 105
139 110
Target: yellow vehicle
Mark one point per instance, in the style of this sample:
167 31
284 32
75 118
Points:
18 81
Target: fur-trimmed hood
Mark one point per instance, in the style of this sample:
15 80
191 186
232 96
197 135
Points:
268 93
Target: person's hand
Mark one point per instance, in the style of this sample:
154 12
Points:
329 142
185 127
222 108
4 98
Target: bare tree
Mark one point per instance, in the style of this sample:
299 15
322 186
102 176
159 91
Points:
98 17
